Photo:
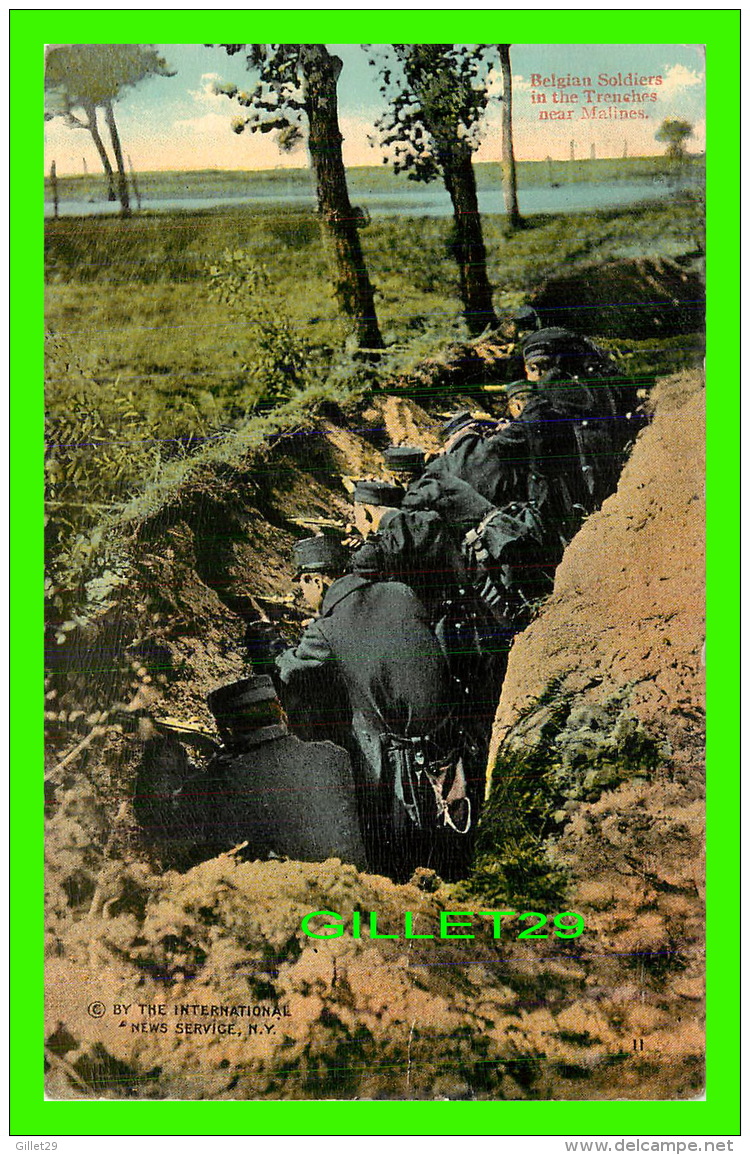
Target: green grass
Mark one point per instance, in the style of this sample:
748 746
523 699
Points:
149 371
571 754
131 297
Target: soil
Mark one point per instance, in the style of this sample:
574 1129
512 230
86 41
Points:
636 298
613 1014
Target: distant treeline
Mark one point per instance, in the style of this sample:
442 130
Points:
370 179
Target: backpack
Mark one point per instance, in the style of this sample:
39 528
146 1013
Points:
511 560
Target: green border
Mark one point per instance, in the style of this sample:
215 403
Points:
719 1113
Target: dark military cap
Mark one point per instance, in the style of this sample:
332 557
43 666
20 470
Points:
406 457
378 493
243 707
246 692
319 554
553 342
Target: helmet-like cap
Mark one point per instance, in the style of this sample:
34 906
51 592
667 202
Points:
378 493
319 554
406 457
553 342
245 707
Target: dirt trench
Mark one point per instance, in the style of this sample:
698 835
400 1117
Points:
603 689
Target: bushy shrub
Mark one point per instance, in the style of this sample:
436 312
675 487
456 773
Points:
278 362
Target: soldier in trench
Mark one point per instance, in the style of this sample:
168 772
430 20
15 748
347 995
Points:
375 678
475 597
424 548
478 571
570 383
264 790
560 448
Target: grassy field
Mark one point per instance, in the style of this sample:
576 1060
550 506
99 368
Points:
148 367
133 298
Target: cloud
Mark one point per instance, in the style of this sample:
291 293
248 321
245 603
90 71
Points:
210 124
678 77
357 129
495 83
205 94
697 142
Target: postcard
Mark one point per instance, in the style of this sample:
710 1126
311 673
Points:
375 637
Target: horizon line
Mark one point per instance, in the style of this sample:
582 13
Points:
280 168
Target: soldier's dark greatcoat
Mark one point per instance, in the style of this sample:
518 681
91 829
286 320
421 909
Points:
275 794
495 465
421 547
372 654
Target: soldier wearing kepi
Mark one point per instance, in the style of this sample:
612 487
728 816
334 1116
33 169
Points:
491 456
557 354
371 661
421 547
554 452
265 788
372 500
581 378
574 402
407 547
425 546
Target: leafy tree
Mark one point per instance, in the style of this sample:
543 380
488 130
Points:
510 190
88 77
437 94
674 133
61 101
297 84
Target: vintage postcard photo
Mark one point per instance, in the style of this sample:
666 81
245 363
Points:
375 644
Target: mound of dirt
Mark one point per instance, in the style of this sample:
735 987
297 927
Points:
604 700
627 609
647 297
203 985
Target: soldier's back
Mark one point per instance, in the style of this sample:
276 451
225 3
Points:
495 466
283 797
387 654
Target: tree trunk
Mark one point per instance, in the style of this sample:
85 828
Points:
510 192
93 127
351 283
468 245
53 182
122 176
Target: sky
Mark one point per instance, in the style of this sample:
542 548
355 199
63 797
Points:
178 123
